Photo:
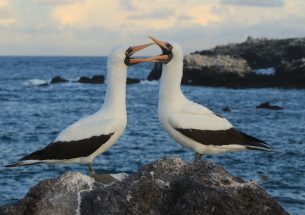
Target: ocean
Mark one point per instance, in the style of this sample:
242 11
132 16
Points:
31 116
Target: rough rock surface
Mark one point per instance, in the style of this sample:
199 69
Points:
262 52
291 73
58 79
52 196
167 186
96 79
267 105
220 70
219 63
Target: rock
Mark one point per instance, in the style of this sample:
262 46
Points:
209 71
97 79
132 81
262 52
52 196
155 73
84 79
221 70
291 74
58 79
267 105
218 64
167 186
226 109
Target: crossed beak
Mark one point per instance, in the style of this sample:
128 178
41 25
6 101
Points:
129 60
160 43
166 48
165 57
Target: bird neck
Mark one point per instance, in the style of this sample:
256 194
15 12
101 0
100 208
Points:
170 91
115 99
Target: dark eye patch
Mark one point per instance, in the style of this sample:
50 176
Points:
169 46
128 52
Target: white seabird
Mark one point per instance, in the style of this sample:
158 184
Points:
87 138
189 123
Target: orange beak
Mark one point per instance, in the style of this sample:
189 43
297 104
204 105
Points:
160 43
166 55
132 50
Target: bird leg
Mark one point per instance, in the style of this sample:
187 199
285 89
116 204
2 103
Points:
103 178
90 169
197 157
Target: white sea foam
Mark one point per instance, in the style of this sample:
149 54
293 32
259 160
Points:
265 71
149 82
37 82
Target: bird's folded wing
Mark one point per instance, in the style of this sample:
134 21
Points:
194 116
194 108
87 128
207 129
200 121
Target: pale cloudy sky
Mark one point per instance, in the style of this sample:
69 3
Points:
94 27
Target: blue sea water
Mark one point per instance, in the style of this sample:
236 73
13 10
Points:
31 116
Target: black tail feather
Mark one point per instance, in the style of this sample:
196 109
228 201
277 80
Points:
255 143
259 148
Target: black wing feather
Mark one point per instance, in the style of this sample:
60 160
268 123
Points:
224 137
61 150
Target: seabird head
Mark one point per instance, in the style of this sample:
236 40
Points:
171 51
123 54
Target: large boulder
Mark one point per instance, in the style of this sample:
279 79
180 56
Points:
167 186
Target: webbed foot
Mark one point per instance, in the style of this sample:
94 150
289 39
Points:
103 178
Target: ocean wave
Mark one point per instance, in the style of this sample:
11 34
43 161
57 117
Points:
37 82
149 82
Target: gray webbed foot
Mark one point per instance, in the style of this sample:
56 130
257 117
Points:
103 178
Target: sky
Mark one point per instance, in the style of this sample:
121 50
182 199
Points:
94 27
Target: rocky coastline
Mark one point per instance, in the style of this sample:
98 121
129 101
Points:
96 79
236 65
166 186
